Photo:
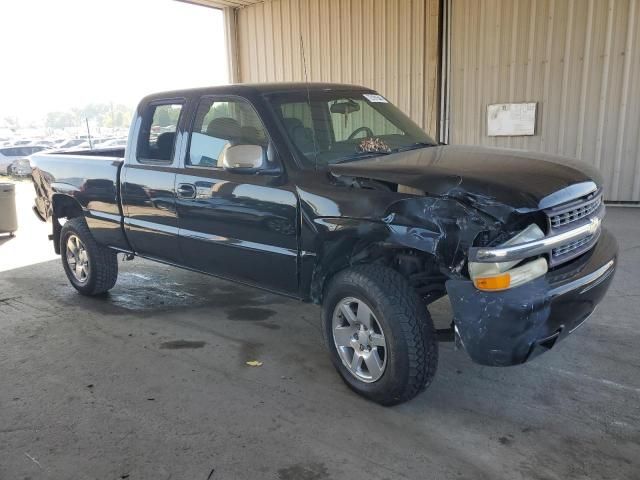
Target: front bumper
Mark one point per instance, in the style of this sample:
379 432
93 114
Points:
513 326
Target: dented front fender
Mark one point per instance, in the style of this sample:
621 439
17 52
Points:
442 228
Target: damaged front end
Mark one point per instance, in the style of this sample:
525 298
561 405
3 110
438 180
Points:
425 238
523 296
516 242
518 282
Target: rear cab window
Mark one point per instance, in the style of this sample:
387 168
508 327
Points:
157 139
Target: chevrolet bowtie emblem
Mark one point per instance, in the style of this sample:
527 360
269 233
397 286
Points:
594 225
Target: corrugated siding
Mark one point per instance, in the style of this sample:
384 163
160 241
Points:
222 3
579 59
388 45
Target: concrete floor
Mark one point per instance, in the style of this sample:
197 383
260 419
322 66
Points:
151 383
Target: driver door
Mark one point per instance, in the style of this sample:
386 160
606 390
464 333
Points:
236 223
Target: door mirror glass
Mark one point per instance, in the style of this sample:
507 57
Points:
244 158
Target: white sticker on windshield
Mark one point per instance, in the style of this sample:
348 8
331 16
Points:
374 98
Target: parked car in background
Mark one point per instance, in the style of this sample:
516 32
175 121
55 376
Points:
46 143
94 143
8 155
114 143
68 144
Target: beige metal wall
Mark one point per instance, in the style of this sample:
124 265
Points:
579 59
388 45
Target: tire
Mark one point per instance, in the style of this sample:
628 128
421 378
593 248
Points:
410 354
101 263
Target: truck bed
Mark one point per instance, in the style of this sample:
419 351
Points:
91 178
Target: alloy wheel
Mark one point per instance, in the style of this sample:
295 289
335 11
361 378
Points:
78 259
359 339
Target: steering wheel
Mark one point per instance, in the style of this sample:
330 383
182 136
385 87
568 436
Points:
360 129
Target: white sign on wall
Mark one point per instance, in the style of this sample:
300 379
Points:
511 119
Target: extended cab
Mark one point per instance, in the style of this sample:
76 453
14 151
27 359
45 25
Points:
328 193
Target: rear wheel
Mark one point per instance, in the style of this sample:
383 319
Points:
91 268
379 334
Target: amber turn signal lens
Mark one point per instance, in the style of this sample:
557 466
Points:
497 282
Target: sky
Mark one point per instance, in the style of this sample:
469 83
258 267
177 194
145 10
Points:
59 54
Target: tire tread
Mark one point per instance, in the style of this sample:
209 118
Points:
412 316
105 260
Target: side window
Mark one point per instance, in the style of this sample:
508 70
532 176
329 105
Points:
158 134
222 123
362 115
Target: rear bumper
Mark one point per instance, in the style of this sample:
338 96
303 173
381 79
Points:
513 326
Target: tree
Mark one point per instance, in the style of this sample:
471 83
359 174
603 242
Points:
117 116
60 120
99 114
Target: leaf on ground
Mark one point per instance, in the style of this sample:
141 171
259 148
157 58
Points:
254 363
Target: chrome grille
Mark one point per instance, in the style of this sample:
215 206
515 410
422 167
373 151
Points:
575 213
570 247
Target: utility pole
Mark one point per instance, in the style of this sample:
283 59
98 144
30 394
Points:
88 133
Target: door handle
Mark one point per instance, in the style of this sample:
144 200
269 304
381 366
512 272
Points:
186 190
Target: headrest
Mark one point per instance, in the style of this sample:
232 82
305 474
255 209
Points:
251 135
165 144
224 127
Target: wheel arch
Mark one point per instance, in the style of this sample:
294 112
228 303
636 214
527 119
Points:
62 206
357 243
65 206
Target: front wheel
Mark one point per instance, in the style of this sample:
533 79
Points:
91 268
379 334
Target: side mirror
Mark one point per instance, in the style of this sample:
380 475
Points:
250 159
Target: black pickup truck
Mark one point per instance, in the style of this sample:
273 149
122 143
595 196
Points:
328 193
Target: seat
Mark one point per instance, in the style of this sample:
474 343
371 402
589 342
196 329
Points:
251 136
164 144
226 128
301 136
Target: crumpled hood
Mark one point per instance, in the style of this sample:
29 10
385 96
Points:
525 181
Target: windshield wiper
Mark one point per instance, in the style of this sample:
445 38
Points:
362 155
414 146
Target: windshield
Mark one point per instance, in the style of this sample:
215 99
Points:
328 127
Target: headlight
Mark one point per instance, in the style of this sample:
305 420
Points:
501 276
